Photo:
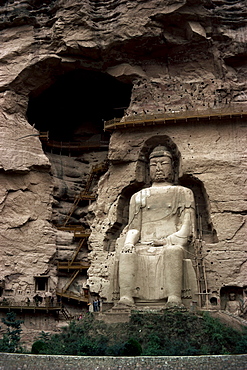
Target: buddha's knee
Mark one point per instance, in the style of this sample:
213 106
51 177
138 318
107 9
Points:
177 250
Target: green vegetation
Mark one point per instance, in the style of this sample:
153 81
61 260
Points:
11 338
171 333
148 334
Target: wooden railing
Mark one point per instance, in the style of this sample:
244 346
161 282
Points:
9 303
72 145
159 118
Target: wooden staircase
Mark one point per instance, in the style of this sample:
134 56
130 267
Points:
81 234
86 193
66 314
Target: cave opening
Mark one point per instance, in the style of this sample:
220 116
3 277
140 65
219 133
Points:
75 107
225 292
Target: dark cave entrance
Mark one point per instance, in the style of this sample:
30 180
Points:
75 106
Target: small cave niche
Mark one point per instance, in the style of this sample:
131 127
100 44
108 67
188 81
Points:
205 228
225 294
76 105
41 283
144 181
213 301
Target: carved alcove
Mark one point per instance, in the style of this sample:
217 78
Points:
204 224
226 291
116 229
205 228
143 181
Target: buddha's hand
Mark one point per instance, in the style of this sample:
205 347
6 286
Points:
159 242
128 248
175 239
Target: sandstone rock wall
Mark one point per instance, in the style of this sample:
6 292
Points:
179 55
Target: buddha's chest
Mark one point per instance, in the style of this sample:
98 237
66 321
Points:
159 202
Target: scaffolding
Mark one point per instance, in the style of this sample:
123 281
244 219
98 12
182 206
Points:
81 234
202 285
86 193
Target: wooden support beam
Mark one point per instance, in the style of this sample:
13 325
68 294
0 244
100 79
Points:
72 266
72 278
77 250
70 295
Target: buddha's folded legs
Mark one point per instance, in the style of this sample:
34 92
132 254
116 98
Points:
127 266
138 268
174 273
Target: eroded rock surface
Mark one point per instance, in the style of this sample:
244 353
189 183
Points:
178 56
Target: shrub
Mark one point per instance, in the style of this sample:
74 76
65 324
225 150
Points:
131 348
11 339
39 347
169 333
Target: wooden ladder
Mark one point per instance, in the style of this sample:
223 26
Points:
77 250
86 191
72 278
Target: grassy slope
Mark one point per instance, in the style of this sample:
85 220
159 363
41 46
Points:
170 333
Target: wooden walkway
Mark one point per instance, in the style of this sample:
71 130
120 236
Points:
171 117
79 231
72 145
77 145
70 295
20 306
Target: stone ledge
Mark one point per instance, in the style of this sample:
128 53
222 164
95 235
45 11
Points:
42 362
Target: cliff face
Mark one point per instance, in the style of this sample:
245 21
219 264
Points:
167 56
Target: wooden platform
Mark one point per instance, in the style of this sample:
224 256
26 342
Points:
72 145
79 231
173 116
16 306
70 295
72 266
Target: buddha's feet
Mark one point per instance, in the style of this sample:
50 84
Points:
174 301
126 301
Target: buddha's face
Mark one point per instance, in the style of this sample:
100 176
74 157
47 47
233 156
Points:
161 169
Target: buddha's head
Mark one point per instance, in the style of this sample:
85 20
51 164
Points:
161 165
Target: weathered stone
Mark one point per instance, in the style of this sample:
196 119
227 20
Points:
179 57
9 360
